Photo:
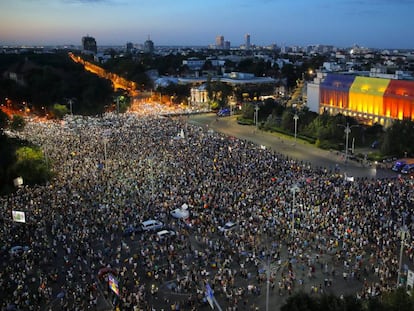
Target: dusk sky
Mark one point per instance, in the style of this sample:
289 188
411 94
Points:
342 23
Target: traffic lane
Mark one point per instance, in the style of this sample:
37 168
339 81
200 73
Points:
300 150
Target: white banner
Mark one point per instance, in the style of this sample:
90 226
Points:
410 279
18 216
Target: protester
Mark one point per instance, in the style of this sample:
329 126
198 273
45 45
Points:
115 171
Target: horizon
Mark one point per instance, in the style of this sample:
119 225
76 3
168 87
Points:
79 46
379 24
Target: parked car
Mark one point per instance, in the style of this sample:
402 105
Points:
228 226
151 225
163 234
225 112
408 169
400 163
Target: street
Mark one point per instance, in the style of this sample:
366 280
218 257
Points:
299 150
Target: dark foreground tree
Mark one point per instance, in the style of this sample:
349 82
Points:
17 123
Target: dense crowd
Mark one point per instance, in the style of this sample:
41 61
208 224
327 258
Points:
297 224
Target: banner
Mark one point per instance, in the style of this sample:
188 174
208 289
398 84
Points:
18 181
18 216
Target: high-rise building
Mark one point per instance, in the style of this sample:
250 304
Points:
89 44
247 41
129 47
220 42
148 46
226 45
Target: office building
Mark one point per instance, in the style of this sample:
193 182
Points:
247 41
220 42
149 46
89 44
129 47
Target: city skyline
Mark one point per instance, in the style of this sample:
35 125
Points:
342 23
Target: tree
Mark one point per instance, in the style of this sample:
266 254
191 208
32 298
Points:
398 300
289 71
17 123
287 120
31 165
398 139
4 120
247 111
300 301
59 111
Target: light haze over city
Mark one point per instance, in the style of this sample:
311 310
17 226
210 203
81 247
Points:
342 23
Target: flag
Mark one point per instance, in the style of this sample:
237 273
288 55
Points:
113 284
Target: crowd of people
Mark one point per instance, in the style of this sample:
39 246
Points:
299 227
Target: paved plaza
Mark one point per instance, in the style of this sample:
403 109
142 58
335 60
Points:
300 226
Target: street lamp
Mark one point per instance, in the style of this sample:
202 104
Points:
70 106
347 132
296 118
256 115
404 233
269 265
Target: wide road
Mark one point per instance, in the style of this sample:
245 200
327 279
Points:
299 150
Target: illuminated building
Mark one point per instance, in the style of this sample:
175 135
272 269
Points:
199 95
370 100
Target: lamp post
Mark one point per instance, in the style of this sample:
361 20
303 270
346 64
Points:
296 118
269 265
404 233
70 106
347 132
256 115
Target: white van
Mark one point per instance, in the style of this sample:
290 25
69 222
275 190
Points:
151 224
163 234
